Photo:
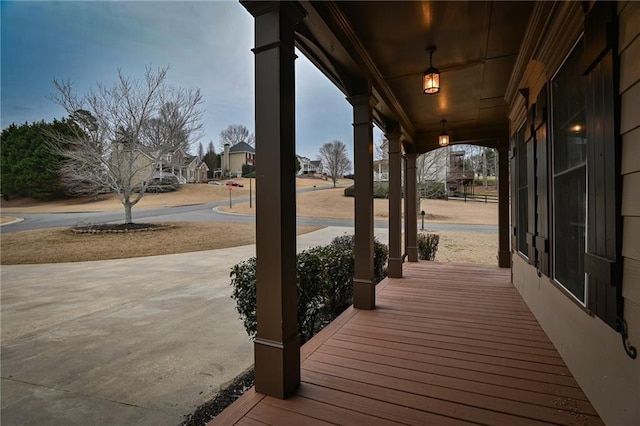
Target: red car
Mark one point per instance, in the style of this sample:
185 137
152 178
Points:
234 183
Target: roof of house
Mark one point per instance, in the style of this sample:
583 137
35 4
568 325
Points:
316 163
242 147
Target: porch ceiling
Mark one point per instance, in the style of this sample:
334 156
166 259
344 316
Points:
385 43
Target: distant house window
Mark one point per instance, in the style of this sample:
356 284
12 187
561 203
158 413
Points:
523 188
569 151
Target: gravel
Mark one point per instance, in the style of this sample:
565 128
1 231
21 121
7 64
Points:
222 400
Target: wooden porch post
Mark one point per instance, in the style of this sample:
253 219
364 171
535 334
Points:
364 295
277 343
394 269
504 253
412 214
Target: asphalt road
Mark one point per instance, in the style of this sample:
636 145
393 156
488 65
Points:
199 213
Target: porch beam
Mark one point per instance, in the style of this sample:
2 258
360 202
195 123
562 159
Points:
364 295
394 269
277 343
412 207
504 253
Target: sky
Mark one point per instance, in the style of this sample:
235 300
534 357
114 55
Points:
206 44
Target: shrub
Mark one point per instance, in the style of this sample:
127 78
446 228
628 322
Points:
380 190
163 184
380 254
243 281
433 190
247 169
324 283
427 245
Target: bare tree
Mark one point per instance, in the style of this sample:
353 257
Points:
234 134
381 151
335 159
122 134
431 173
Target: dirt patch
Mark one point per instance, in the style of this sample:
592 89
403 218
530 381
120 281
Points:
7 219
62 245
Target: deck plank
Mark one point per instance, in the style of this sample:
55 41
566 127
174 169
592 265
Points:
448 344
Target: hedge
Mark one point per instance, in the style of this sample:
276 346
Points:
324 282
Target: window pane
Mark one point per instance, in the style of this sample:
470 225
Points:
570 189
523 203
569 174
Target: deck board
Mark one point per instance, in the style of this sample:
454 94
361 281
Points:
448 344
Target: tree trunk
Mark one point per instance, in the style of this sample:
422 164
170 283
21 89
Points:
127 212
484 166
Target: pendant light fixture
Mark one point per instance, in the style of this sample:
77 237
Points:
443 139
431 77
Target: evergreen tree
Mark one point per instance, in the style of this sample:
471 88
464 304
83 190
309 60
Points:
28 168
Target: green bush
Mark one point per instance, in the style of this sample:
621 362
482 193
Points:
163 184
243 281
247 169
324 283
350 191
380 254
427 245
380 190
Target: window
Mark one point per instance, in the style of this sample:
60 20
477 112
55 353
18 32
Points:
522 196
569 151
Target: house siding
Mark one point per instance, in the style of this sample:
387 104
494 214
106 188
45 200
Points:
629 50
236 160
592 350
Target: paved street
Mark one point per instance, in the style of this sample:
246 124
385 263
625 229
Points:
122 342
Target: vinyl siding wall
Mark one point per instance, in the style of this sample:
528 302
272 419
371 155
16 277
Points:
592 350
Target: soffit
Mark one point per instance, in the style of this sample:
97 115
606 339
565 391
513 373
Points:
385 42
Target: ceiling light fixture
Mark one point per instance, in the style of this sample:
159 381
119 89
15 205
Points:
431 78
443 139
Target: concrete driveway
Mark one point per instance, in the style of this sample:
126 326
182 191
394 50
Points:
122 342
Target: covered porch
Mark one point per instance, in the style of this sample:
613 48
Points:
447 344
432 343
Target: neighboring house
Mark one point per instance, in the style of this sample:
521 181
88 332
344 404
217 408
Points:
458 177
308 166
187 168
234 157
381 170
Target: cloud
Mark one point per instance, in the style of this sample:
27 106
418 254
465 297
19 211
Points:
206 44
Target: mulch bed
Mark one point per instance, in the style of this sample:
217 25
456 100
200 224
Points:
222 400
106 228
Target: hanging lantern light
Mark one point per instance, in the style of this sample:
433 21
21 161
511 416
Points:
443 139
431 77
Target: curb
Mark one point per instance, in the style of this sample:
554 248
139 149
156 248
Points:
215 210
16 220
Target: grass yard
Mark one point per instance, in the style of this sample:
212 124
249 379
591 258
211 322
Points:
61 245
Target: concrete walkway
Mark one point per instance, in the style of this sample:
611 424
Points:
121 342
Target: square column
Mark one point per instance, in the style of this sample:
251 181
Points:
412 214
364 294
277 343
504 253
394 269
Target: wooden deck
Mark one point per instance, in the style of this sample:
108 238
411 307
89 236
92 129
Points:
447 345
